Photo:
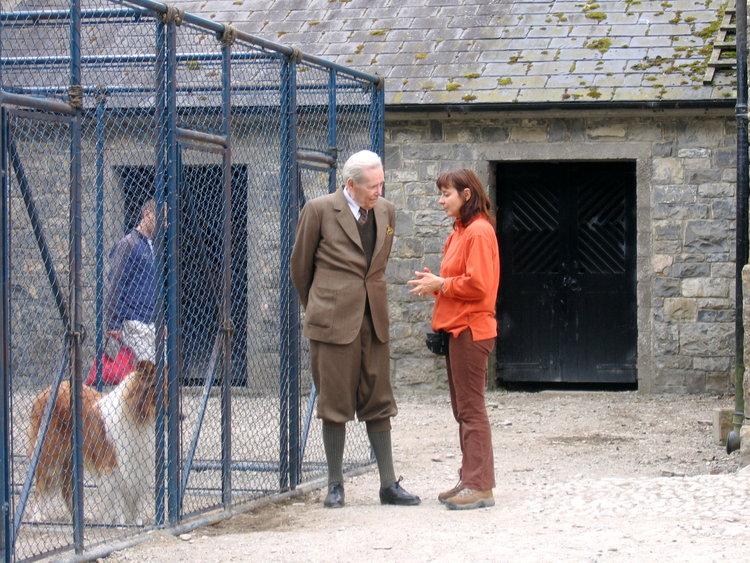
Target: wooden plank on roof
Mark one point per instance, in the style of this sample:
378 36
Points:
723 63
715 58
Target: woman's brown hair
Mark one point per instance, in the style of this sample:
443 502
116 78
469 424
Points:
464 179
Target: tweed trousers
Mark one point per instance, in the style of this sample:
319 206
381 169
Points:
354 378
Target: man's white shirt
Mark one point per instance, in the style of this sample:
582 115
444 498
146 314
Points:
353 205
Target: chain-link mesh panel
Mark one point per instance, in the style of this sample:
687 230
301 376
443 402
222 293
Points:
316 133
118 274
39 220
201 264
117 155
256 407
118 54
201 260
28 41
199 83
314 184
154 160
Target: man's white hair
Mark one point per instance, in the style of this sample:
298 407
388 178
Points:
358 162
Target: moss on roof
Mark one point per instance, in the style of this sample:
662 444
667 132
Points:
501 50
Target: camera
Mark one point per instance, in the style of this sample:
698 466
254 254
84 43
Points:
437 342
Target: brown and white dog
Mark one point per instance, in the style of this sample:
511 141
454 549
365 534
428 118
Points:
118 443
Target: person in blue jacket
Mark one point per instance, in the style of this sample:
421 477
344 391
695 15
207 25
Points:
131 287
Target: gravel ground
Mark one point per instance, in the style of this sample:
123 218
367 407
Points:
582 476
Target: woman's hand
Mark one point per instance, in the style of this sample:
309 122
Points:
425 283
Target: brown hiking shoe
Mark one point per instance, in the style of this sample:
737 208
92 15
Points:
445 495
468 499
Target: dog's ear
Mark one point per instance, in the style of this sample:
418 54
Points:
147 369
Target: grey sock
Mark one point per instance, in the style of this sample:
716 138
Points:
381 445
334 437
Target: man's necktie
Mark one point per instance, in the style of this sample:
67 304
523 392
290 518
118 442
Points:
362 216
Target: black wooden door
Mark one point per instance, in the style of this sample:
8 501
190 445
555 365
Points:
567 305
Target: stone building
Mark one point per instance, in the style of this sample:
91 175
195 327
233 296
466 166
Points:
605 134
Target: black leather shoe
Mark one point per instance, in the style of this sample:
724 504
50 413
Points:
396 494
335 496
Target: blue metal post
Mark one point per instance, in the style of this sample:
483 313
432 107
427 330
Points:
6 535
159 177
295 459
134 59
288 302
24 16
99 297
173 340
377 117
74 276
226 381
332 128
22 99
381 121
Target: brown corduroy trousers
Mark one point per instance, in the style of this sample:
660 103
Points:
467 375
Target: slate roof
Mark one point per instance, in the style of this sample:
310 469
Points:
494 51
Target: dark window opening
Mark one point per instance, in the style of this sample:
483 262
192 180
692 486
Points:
199 260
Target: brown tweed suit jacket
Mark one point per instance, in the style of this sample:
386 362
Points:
329 269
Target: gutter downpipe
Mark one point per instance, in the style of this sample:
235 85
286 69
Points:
733 440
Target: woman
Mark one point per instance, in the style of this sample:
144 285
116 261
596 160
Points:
465 294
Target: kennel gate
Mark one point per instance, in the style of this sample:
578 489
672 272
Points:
106 104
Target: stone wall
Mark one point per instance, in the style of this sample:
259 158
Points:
685 166
745 430
685 169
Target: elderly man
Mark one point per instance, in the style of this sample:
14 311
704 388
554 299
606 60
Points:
131 287
338 267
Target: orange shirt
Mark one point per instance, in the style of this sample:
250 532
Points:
471 268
